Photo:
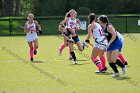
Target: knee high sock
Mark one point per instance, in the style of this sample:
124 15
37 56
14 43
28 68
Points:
73 56
113 66
31 54
120 63
122 58
62 47
35 48
103 61
97 63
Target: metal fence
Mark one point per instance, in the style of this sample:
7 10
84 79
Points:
12 26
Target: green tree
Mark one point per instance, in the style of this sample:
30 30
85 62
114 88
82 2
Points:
8 7
17 6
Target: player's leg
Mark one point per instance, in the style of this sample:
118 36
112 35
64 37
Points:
31 51
70 57
79 45
35 46
122 59
120 55
114 57
112 64
71 49
63 46
95 53
103 59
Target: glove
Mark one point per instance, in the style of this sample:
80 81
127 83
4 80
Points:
87 41
40 32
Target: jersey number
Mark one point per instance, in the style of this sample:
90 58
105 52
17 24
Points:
100 31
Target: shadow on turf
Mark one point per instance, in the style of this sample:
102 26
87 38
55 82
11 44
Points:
79 64
82 60
39 61
106 73
123 78
126 66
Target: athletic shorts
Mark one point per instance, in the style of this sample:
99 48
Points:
31 37
100 46
76 39
116 45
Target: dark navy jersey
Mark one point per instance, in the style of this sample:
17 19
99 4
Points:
109 35
67 33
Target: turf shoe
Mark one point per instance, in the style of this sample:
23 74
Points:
126 63
59 52
100 71
35 52
75 62
124 70
115 75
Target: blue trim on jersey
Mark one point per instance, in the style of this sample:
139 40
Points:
76 39
116 45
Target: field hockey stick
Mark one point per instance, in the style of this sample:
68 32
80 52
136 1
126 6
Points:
100 43
68 38
90 44
21 26
87 41
96 42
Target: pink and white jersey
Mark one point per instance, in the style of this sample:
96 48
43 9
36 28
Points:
31 26
97 32
72 23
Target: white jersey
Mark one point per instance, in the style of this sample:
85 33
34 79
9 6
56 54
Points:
31 36
98 34
120 37
72 23
31 26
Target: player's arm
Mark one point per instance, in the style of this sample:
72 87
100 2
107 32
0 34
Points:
90 31
65 20
39 27
78 21
89 35
26 30
79 24
111 30
67 38
37 24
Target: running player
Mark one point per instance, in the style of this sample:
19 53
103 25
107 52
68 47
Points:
70 35
31 35
114 45
71 22
95 31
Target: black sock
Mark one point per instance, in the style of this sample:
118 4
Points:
113 66
73 56
119 63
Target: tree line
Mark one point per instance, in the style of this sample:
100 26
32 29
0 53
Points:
60 7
